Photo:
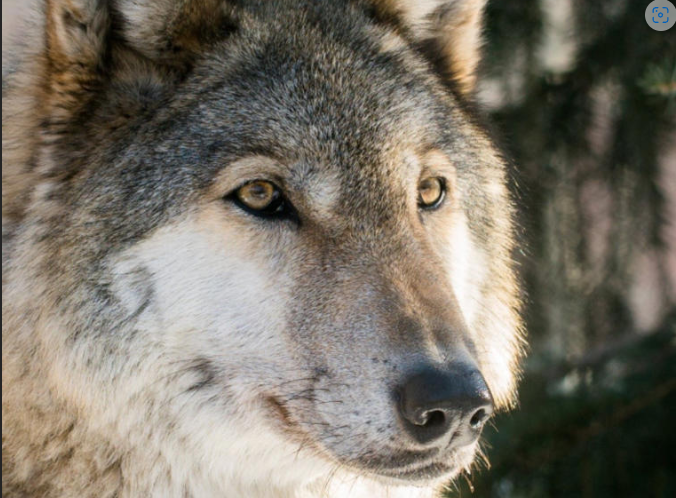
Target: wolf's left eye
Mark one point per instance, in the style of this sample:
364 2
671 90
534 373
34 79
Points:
431 192
261 198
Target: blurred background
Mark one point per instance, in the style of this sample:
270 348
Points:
582 94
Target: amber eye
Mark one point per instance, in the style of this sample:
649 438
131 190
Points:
431 192
257 194
261 198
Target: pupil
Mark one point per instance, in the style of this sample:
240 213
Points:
259 191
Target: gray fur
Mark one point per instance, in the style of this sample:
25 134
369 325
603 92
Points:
116 137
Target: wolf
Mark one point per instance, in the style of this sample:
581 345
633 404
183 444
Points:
251 249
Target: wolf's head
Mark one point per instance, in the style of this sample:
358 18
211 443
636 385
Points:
272 234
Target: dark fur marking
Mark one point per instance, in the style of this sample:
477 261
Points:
386 19
206 372
69 20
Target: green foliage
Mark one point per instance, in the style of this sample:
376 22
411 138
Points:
660 80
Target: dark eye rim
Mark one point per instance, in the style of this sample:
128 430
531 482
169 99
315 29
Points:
437 204
278 209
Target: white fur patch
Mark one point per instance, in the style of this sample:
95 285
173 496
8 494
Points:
220 299
466 267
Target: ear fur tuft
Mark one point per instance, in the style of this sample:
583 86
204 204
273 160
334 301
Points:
76 31
89 43
171 30
449 29
75 45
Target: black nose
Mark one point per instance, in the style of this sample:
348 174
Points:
435 403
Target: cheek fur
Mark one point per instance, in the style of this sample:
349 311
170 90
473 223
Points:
218 285
466 267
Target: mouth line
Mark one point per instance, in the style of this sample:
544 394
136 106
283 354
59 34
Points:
280 410
283 419
426 472
410 467
400 460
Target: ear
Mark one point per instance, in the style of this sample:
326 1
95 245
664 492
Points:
78 29
91 42
175 30
75 45
449 31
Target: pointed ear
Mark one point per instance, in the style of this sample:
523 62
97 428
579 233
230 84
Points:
449 31
175 30
88 42
76 32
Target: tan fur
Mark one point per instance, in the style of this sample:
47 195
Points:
455 24
161 340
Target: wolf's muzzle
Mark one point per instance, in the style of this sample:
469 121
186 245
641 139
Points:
434 404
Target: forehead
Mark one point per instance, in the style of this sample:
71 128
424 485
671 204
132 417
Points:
329 95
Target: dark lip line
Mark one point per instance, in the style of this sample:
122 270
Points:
408 467
283 413
400 473
420 473
405 459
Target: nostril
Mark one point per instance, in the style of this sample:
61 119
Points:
433 419
478 419
433 403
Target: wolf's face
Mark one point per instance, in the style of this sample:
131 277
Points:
298 249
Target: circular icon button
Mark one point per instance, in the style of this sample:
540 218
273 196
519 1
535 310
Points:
660 15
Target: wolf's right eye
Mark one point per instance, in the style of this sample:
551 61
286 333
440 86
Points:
431 192
261 198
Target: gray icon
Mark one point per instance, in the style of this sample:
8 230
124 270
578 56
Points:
660 15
